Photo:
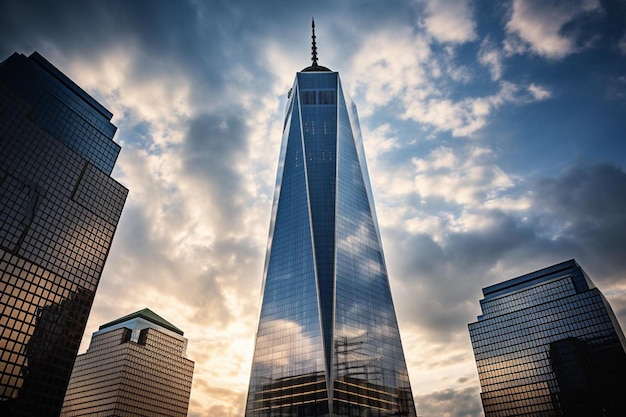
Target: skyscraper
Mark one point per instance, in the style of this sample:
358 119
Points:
135 366
328 341
548 344
59 209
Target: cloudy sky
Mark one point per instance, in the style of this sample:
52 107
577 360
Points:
494 131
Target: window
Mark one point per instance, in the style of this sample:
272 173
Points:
309 97
327 97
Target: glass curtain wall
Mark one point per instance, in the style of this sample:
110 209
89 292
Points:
328 341
548 344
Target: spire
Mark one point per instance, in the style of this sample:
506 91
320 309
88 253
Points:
314 65
313 46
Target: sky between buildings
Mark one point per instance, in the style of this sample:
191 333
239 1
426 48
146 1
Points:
494 131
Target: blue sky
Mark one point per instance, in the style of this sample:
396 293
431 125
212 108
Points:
494 131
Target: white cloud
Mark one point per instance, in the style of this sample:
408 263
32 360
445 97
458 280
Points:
467 182
509 204
440 158
399 69
462 117
427 224
465 177
491 57
195 223
622 45
389 63
537 26
160 99
539 92
381 140
450 20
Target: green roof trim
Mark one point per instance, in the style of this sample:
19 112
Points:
147 314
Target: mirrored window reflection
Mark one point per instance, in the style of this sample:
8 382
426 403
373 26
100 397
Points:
370 368
288 371
59 209
320 142
327 332
549 346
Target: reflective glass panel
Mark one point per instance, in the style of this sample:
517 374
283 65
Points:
548 343
328 341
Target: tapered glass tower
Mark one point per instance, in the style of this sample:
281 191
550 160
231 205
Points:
328 341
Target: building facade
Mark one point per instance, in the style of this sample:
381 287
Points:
548 344
135 366
328 342
59 209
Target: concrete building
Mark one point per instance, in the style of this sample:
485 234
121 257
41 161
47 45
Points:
135 366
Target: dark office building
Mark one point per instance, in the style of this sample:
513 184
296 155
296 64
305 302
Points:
135 366
59 209
328 342
548 344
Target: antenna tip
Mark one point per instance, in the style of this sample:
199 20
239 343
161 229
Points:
313 46
314 65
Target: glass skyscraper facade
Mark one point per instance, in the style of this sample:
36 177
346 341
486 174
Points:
548 344
59 209
135 366
328 341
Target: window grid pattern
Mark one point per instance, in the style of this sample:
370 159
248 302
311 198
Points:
54 241
121 377
63 110
288 374
371 377
320 140
553 290
550 351
80 131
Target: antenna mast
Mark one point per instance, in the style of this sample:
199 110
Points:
314 65
313 47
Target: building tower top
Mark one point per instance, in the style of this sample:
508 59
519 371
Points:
146 314
314 66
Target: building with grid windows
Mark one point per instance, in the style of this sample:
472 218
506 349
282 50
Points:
59 209
328 342
135 366
548 344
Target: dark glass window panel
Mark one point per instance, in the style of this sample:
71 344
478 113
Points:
328 96
288 349
309 97
548 340
59 210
